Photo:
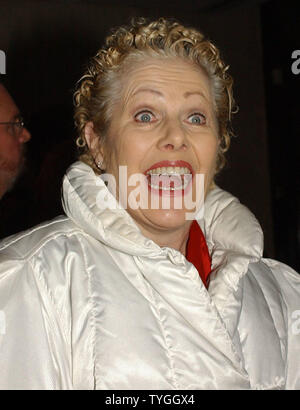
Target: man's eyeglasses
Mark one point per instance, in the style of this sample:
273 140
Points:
16 126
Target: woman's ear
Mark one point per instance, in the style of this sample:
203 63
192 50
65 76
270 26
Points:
93 142
92 139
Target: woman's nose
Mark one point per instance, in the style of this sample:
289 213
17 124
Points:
174 139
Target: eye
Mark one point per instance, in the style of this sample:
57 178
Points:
197 119
144 116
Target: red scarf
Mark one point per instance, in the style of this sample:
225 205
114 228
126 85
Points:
197 252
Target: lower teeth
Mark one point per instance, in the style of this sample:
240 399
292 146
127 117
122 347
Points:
185 181
168 188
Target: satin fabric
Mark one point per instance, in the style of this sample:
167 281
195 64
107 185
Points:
87 302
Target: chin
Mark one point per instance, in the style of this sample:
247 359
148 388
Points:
8 179
167 218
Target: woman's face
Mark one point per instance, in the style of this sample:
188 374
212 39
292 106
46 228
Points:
164 124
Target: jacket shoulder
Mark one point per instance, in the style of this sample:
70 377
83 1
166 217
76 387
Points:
279 286
35 307
24 244
276 277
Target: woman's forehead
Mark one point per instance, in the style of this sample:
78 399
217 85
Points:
161 76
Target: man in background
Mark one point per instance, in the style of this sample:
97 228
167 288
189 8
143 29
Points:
13 136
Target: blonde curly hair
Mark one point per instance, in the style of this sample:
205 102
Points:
99 88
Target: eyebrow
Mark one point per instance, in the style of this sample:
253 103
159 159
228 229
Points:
189 93
15 117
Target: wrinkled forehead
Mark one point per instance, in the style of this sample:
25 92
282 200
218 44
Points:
166 71
8 108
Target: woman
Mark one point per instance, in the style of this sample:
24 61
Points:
126 291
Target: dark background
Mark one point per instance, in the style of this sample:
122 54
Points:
47 44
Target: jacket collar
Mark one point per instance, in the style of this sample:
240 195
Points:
234 236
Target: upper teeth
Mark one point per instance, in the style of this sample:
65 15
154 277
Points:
169 171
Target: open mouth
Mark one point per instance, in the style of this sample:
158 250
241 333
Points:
169 176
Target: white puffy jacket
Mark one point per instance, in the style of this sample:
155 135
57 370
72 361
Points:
87 302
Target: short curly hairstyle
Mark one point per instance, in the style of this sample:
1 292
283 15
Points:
99 87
